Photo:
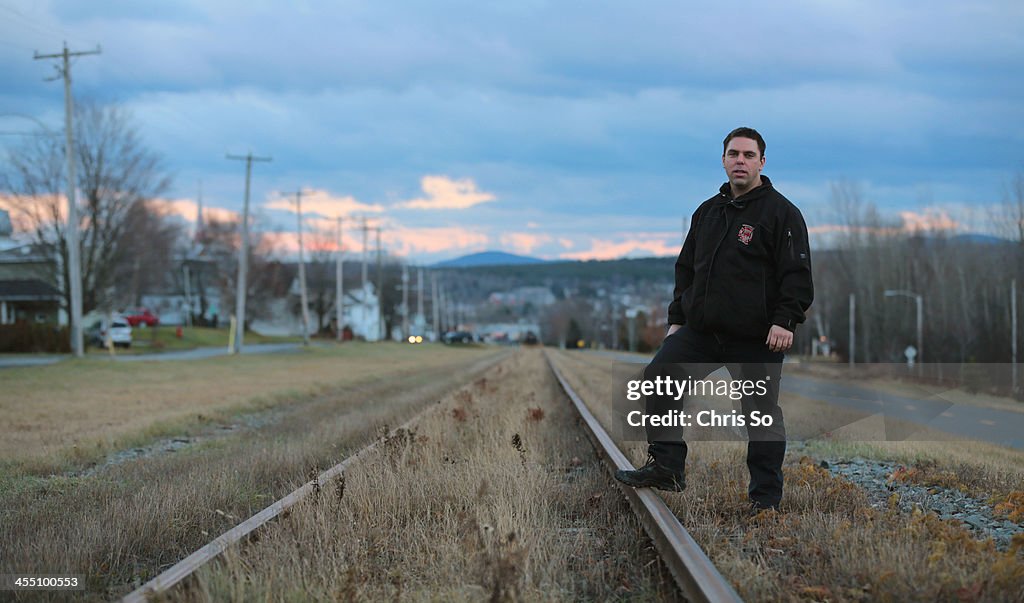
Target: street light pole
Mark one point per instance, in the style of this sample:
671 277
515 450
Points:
853 329
920 320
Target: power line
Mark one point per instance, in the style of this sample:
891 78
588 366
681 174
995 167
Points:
44 29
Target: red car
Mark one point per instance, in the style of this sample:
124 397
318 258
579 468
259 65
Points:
141 317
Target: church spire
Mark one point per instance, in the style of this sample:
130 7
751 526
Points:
199 213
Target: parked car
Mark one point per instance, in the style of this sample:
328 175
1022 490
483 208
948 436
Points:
458 337
120 332
141 317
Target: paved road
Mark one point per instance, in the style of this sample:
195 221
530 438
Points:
1004 427
32 360
196 354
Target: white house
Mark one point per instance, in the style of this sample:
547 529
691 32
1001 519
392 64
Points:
362 313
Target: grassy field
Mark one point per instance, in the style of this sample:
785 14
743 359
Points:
121 525
495 495
829 543
75 412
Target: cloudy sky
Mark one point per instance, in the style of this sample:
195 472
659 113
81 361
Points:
561 129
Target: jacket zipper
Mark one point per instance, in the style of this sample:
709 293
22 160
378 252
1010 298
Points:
711 264
789 238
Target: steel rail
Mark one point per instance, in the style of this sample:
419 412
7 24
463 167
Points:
189 565
695 575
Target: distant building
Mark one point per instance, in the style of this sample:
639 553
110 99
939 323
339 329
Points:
362 313
27 289
538 297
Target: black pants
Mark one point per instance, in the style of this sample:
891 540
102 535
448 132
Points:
692 354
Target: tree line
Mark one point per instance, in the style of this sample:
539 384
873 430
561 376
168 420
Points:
965 282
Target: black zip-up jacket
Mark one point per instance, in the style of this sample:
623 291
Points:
745 265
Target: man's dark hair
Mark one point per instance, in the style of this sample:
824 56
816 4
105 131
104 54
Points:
744 132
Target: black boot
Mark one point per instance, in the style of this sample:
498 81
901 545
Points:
653 475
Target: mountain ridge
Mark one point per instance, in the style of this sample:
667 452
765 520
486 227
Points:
488 258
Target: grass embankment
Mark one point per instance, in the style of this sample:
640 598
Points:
495 495
829 543
122 525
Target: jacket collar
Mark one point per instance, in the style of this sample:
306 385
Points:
725 195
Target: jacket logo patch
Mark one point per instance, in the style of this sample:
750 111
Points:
746 234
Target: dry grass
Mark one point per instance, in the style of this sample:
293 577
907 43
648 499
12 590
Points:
495 495
77 411
829 544
123 525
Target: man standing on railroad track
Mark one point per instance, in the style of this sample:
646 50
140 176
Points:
742 285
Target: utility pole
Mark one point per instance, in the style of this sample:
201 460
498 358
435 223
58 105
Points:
1013 331
339 287
435 306
188 295
853 328
380 289
74 267
443 306
243 255
366 253
615 325
302 272
452 307
419 295
405 301
631 326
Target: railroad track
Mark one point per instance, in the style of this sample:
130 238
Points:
178 572
694 574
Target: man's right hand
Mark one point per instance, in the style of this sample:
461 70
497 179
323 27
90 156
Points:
673 329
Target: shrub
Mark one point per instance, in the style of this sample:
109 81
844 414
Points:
32 337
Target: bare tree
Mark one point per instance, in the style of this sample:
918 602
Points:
320 275
115 172
146 258
268 277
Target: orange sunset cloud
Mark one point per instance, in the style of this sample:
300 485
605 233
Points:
600 249
444 193
522 242
317 202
